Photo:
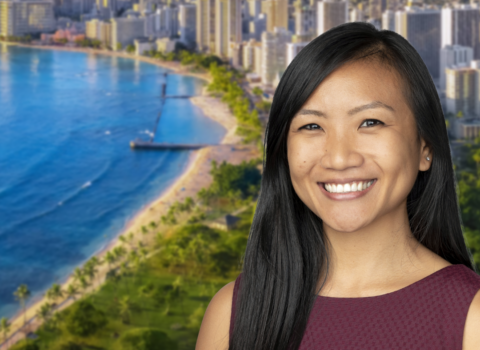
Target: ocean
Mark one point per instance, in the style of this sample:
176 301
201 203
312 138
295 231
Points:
69 180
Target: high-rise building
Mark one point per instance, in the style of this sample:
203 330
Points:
421 27
305 25
235 54
206 25
91 29
356 15
462 91
228 26
255 28
460 26
331 14
106 8
253 8
277 14
72 7
376 8
453 56
252 55
188 23
163 23
388 20
126 29
221 28
274 54
235 21
26 17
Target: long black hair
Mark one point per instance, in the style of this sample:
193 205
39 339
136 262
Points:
287 248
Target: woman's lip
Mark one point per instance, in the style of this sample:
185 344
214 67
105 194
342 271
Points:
345 196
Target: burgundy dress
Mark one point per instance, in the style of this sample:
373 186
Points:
428 314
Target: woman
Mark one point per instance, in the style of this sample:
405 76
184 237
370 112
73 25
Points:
382 265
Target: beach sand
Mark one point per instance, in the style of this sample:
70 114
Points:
192 180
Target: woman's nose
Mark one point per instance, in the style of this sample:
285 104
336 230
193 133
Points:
341 152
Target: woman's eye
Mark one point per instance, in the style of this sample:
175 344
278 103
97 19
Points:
371 120
309 127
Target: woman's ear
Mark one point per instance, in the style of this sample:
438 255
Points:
426 156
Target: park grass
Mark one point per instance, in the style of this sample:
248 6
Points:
145 311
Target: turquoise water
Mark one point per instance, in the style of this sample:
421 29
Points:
69 181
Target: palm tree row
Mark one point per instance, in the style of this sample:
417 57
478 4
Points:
82 279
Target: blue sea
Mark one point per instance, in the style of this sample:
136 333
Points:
69 180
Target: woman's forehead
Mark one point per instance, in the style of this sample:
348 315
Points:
353 86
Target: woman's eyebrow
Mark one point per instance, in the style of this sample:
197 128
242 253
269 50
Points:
371 105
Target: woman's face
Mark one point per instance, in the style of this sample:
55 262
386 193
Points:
355 127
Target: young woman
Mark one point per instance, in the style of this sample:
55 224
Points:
356 241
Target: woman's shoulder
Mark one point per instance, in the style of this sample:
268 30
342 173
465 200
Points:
214 331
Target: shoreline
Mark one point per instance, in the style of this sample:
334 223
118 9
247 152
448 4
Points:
192 179
175 66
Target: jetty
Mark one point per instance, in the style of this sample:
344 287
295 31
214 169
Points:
139 144
150 145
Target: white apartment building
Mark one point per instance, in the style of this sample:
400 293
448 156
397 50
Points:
331 14
274 54
126 29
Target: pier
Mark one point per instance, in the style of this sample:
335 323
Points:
139 144
150 145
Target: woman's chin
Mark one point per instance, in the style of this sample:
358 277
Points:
346 225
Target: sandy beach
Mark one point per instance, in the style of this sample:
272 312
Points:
191 181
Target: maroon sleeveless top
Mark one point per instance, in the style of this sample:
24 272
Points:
428 314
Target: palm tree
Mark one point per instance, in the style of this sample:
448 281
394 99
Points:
124 272
130 239
77 274
22 294
44 312
83 283
143 253
122 239
54 292
71 291
110 259
4 328
95 261
125 309
90 270
119 252
134 261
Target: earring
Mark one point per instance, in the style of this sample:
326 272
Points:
428 158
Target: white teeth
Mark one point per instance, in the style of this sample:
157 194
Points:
346 188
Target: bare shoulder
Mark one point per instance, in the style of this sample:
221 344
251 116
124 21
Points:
214 332
471 335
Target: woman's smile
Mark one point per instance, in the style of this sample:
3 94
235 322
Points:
347 191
